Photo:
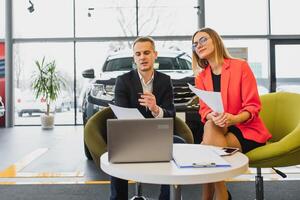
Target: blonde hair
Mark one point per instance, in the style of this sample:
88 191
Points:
220 51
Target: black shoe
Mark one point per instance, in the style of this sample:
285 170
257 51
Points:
138 198
229 195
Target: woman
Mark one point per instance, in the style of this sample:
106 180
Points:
239 125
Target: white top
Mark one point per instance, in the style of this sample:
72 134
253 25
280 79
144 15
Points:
169 173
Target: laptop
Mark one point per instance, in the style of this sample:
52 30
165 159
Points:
140 140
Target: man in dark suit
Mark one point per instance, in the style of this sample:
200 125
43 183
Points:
150 92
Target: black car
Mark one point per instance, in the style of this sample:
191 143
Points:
100 92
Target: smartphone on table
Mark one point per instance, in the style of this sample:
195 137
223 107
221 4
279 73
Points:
227 151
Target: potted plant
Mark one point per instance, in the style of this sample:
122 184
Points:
46 84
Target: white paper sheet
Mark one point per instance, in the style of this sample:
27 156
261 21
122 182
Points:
197 156
212 99
126 113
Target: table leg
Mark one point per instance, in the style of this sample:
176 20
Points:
138 192
175 192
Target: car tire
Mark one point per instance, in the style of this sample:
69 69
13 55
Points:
87 153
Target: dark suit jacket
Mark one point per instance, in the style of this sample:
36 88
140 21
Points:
129 85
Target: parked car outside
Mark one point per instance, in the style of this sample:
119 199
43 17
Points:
27 104
100 92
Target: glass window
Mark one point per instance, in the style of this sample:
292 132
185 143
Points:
287 68
283 14
46 19
91 55
235 17
105 18
27 108
256 53
183 45
167 17
2 19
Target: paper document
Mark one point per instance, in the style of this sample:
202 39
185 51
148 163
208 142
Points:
197 156
126 113
212 99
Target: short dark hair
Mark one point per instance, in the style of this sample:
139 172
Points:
144 39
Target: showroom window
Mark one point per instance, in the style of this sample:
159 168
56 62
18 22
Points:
287 67
105 18
107 26
283 17
167 17
235 17
27 108
49 19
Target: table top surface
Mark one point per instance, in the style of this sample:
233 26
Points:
170 173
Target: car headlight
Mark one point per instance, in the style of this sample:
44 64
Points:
110 90
97 90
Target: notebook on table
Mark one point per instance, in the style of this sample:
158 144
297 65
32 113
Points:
140 140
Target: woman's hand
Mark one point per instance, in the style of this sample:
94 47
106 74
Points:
223 119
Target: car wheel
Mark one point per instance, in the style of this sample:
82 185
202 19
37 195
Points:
20 114
87 153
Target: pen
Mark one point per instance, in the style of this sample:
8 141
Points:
204 164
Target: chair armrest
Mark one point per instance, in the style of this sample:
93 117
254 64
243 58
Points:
286 145
93 139
183 130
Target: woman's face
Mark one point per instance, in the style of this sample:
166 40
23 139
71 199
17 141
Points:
203 45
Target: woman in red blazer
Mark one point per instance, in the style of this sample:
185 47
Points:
239 125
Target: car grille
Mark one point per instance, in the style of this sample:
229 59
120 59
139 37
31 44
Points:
183 96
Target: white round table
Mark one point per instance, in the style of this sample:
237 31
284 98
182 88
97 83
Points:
169 173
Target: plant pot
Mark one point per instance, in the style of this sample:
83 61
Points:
47 121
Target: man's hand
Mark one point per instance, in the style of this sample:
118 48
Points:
148 99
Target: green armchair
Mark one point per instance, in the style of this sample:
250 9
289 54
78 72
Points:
95 134
281 114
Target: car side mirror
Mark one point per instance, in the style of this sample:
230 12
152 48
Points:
89 73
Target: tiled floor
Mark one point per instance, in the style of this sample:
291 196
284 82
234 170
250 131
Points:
31 155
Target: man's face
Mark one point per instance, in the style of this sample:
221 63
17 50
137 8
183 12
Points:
144 56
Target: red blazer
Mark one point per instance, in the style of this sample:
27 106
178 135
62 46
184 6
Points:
239 93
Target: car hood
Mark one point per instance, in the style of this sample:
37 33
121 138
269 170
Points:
178 74
174 74
110 75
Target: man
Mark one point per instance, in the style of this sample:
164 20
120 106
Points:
147 90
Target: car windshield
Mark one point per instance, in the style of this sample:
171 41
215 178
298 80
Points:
161 63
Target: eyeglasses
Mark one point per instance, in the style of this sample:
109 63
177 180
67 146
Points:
202 41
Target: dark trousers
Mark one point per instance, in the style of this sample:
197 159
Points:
119 187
